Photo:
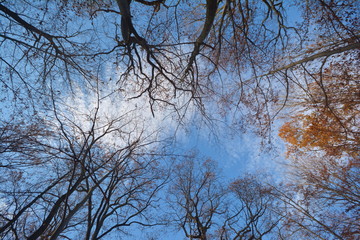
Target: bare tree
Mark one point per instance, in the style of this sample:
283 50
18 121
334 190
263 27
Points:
196 197
253 212
206 208
77 175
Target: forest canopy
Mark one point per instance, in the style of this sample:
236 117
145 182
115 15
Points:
95 92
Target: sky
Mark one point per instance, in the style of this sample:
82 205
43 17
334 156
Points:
236 153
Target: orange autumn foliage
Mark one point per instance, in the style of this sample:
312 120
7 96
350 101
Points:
320 130
330 117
